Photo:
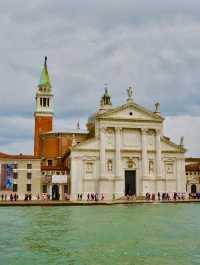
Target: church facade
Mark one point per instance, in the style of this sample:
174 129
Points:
128 154
124 150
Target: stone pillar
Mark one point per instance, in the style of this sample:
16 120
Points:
50 190
144 154
158 155
118 152
102 152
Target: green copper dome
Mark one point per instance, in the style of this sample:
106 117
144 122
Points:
44 78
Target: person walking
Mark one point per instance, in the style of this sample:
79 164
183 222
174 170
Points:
11 197
2 196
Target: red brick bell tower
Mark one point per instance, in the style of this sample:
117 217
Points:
44 110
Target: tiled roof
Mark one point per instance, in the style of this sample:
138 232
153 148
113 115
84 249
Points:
192 159
61 168
20 156
193 167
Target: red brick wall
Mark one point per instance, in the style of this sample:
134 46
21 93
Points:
42 124
55 146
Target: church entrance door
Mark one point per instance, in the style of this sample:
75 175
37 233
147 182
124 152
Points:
193 188
130 182
55 192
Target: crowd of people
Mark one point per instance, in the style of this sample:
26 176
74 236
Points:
90 197
165 196
100 197
11 197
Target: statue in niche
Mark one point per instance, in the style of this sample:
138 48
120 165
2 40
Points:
151 167
109 165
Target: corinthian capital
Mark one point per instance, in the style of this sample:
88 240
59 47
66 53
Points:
144 130
158 131
118 129
103 129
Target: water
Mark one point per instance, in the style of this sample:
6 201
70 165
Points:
127 234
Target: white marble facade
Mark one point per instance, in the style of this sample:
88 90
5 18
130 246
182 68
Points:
127 139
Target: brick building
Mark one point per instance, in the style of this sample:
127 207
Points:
192 170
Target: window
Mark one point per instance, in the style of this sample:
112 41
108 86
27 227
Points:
44 188
29 175
15 175
29 166
15 187
15 166
28 187
44 102
57 173
49 162
48 102
41 102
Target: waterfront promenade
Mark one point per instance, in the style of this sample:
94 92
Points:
90 203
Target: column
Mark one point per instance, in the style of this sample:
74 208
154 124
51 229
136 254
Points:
158 155
102 152
144 154
118 152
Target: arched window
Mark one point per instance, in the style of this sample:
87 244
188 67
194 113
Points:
44 102
193 188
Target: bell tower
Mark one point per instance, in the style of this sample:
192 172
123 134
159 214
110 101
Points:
44 109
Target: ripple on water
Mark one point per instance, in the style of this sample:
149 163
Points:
126 234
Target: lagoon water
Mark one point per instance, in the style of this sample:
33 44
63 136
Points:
93 235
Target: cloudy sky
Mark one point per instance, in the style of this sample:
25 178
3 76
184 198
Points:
153 45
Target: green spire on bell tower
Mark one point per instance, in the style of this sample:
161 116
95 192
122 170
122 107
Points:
44 78
44 96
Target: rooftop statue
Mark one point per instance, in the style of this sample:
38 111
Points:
130 93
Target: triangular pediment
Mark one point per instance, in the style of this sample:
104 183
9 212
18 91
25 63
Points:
88 144
130 111
168 146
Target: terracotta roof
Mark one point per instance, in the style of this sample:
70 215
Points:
192 159
193 167
20 156
68 132
53 168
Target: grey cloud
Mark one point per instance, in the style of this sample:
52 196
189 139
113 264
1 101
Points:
153 45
